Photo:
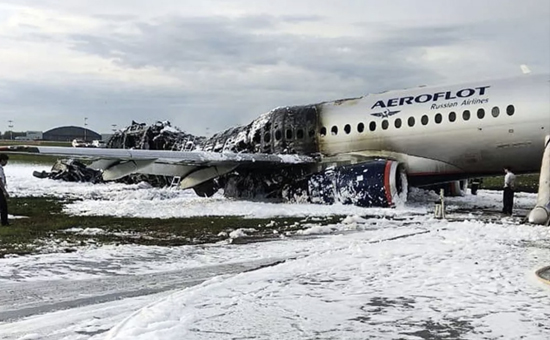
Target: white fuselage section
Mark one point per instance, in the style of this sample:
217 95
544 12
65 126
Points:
473 128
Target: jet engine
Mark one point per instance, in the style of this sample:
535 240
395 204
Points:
378 183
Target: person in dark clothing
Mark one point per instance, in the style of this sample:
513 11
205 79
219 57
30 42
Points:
508 195
3 191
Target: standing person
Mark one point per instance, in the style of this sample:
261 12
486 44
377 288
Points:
3 191
508 196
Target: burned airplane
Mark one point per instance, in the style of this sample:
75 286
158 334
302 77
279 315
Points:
347 151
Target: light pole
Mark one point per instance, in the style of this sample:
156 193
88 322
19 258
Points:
10 125
85 124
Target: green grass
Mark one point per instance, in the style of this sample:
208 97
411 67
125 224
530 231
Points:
47 222
524 183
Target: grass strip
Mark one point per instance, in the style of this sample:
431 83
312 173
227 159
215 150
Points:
47 224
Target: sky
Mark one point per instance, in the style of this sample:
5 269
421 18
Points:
212 64
375 273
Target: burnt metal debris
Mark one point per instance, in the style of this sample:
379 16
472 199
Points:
283 130
158 136
71 170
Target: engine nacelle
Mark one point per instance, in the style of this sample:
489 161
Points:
379 183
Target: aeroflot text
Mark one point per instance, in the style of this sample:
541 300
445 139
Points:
431 97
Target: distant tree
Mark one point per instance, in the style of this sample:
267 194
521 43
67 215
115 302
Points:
12 134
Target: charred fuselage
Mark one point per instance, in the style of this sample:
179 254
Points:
284 130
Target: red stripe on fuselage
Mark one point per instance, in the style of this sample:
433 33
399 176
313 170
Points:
387 185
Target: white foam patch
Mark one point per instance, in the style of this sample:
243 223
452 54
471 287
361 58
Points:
376 272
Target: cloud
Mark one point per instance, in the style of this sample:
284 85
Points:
227 66
181 45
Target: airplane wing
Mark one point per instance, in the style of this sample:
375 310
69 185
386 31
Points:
194 167
199 158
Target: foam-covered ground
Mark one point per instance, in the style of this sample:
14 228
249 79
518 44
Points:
402 274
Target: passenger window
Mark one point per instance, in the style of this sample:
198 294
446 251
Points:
495 111
256 137
480 113
334 130
300 134
452 117
385 124
466 115
267 137
347 128
372 126
510 110
323 131
438 118
424 120
398 123
360 127
411 121
278 135
288 134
